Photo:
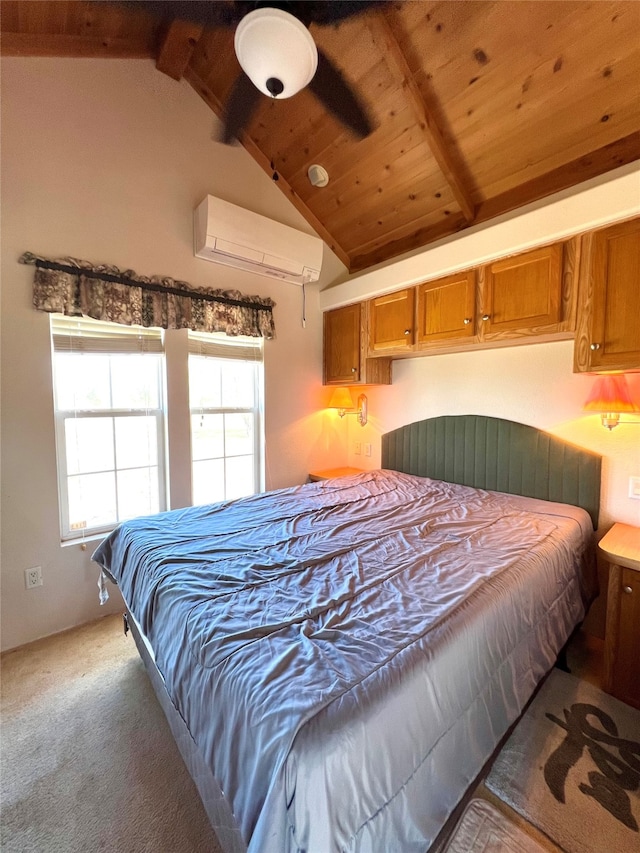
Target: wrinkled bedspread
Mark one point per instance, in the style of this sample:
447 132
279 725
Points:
348 653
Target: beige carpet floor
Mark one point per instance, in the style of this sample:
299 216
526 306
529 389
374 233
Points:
88 760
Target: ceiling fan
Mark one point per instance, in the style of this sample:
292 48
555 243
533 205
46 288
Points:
277 54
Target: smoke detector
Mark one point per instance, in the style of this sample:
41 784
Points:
318 175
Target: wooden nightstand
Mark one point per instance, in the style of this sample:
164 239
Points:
621 549
329 473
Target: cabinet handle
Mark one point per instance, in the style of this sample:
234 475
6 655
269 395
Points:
485 317
627 589
467 320
354 370
595 346
407 331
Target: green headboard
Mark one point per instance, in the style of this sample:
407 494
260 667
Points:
495 454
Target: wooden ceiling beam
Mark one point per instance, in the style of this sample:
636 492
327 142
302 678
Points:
407 238
65 45
611 156
177 46
397 64
263 161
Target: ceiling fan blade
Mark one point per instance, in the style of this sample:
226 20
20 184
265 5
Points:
323 13
329 86
223 13
226 13
239 108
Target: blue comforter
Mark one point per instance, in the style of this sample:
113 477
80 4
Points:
347 654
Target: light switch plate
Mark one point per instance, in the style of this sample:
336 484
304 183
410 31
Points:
634 487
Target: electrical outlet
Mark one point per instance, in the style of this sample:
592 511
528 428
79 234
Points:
33 577
367 449
358 448
634 487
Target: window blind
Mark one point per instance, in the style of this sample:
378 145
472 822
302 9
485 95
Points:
81 334
223 346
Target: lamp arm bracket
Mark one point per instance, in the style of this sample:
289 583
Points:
362 409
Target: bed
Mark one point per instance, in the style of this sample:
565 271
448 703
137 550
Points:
337 661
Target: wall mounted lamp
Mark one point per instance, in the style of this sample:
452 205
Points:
342 401
610 396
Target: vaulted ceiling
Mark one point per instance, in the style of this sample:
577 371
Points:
479 107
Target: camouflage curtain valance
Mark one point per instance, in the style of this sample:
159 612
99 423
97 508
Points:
79 288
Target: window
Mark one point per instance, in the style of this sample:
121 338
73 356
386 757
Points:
112 407
225 398
109 409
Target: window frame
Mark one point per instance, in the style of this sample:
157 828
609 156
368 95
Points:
237 351
173 413
92 331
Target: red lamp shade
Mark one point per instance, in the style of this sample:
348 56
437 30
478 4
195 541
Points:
610 397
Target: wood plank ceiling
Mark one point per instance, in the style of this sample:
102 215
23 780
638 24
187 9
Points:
479 107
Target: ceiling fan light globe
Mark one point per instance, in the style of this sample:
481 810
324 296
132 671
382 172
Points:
272 44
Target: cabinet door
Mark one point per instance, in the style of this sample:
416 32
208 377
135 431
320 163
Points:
523 293
342 345
391 320
613 299
446 308
626 669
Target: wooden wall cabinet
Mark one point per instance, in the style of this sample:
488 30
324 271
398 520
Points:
608 334
532 294
521 295
391 323
407 321
511 300
588 285
342 357
446 309
344 354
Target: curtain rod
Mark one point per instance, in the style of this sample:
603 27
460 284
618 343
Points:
28 258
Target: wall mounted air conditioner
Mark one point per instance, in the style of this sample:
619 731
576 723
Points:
230 235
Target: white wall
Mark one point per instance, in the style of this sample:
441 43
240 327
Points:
105 160
532 384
